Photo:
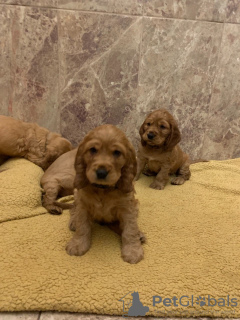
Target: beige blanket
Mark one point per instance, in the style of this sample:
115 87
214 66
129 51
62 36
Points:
192 254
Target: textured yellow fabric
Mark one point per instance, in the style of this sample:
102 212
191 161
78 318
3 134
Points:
193 248
20 191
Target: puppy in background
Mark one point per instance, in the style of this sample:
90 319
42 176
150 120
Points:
30 141
105 169
159 153
57 181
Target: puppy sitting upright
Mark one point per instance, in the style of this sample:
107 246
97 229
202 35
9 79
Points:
159 153
105 168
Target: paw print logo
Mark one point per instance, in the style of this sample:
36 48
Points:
201 301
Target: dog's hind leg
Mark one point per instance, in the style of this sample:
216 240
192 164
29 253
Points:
183 174
51 191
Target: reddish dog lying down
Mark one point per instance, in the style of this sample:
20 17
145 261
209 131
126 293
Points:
30 141
105 168
58 181
159 153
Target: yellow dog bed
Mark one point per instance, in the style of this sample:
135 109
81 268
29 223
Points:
192 255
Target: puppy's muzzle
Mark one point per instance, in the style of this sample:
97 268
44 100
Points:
101 173
151 135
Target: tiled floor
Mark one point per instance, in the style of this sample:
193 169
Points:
59 316
75 316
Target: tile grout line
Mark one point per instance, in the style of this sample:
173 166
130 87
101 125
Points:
118 14
91 64
58 55
140 61
39 315
217 63
116 42
213 85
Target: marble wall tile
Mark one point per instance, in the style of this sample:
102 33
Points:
132 7
99 71
37 3
34 65
84 37
177 71
222 139
210 10
90 5
87 316
5 79
73 70
233 11
27 315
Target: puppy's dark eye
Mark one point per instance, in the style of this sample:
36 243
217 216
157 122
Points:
148 124
162 126
93 150
116 153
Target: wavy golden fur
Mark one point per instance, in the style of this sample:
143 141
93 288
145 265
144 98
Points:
30 141
159 153
57 181
105 168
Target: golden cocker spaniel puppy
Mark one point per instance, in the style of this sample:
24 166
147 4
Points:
159 153
105 169
30 141
58 180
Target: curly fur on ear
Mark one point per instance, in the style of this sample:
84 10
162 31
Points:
174 137
129 170
81 180
141 132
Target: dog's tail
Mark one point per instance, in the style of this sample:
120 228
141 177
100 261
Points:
64 205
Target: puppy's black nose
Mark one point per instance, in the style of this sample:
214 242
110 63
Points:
101 173
151 135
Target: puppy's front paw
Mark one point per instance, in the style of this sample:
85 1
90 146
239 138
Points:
132 253
178 180
157 185
54 209
77 247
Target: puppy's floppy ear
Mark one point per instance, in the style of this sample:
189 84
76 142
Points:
174 136
55 142
56 145
81 180
141 132
129 171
